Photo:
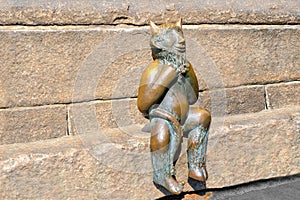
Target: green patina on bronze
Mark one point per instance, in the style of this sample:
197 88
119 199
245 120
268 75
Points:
168 89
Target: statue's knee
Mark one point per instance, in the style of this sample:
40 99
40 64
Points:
160 136
204 118
159 141
198 117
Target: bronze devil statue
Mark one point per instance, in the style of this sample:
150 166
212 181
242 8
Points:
168 89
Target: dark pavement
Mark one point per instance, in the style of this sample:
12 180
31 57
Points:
283 188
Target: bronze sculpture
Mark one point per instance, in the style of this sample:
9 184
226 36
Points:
167 91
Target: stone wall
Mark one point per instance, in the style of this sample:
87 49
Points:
69 73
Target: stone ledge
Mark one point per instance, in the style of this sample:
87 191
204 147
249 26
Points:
283 94
20 125
242 148
47 65
139 12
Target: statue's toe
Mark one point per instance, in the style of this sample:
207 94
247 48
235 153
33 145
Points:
199 174
171 185
177 188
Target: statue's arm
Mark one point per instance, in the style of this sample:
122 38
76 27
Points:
153 86
194 93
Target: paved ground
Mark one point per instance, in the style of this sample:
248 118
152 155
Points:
286 188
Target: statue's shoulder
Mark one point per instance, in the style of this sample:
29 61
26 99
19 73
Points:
152 68
150 73
153 65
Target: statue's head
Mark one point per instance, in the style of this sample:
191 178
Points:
167 38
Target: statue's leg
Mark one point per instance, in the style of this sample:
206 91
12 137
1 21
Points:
197 125
175 141
160 155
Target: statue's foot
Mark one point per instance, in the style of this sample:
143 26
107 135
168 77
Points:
199 174
170 184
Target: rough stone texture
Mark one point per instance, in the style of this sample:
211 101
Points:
283 94
251 55
40 66
241 148
20 125
241 69
61 169
231 101
92 116
116 113
122 77
87 63
139 12
124 112
254 146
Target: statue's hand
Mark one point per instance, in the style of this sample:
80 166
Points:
182 69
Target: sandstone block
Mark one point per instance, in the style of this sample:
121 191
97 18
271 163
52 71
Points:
238 100
20 125
65 64
227 56
40 66
124 112
283 94
115 163
254 146
100 115
46 65
61 169
139 12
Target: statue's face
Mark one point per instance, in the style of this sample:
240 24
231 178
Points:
168 37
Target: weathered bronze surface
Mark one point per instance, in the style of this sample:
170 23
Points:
168 89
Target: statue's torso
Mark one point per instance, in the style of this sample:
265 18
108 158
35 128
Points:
176 99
